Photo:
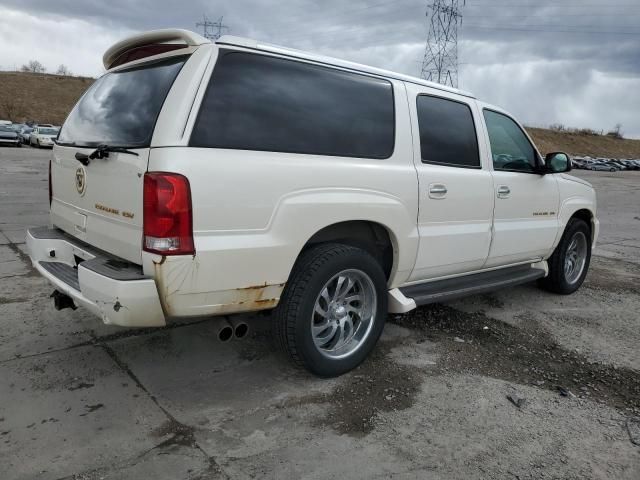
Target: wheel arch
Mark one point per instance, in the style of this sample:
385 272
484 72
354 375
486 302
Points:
582 211
377 239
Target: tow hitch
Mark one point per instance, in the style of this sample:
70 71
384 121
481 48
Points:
62 300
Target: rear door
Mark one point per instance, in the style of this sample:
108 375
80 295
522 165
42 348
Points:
456 190
101 203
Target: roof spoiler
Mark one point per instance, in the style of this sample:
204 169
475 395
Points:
153 37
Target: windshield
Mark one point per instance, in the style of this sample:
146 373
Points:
4 128
47 131
121 107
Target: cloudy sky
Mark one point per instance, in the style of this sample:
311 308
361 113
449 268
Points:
575 62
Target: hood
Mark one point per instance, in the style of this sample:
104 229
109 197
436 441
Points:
571 178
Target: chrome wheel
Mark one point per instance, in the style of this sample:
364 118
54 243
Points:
344 314
575 258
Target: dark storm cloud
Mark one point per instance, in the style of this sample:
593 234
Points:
571 61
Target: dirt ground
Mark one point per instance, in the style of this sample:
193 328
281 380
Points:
80 400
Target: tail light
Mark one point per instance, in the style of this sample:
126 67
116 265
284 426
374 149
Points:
50 189
167 216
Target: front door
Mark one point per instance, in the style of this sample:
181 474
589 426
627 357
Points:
456 192
526 202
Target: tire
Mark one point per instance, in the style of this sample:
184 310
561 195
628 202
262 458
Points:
612 169
559 280
298 319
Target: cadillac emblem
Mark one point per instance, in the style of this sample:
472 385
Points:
81 180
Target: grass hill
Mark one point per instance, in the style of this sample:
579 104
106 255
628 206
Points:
584 142
49 98
42 98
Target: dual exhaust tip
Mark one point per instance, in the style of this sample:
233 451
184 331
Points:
227 329
233 328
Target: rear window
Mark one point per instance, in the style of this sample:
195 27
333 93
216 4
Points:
121 107
257 102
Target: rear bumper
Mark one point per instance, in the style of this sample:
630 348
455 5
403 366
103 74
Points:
111 288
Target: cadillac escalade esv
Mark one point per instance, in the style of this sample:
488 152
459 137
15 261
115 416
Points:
199 179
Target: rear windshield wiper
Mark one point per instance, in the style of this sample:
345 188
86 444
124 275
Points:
102 151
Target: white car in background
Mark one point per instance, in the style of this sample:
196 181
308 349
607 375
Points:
42 136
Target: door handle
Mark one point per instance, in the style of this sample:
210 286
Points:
437 191
504 191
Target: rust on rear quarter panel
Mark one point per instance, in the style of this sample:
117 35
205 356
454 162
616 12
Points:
179 278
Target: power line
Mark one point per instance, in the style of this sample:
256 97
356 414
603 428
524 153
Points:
546 30
440 62
210 29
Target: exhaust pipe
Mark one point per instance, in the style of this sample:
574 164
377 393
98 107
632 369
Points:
240 328
62 300
224 331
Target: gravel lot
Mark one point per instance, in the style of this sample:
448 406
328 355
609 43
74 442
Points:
82 400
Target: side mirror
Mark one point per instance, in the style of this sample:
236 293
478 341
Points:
557 162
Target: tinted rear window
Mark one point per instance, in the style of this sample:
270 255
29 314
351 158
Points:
121 107
256 102
447 132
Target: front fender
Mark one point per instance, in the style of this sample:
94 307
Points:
568 208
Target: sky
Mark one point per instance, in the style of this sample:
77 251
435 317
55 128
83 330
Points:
569 62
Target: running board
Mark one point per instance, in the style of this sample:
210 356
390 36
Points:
453 288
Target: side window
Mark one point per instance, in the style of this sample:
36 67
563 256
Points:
510 148
447 132
257 102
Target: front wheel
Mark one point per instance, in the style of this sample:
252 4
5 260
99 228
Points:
569 264
333 309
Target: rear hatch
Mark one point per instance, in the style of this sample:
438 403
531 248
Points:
100 202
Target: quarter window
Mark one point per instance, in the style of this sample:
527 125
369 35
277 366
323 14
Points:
510 147
447 132
257 102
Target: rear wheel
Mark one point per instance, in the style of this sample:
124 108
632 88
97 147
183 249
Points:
333 309
569 264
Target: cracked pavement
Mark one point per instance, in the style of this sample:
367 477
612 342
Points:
81 400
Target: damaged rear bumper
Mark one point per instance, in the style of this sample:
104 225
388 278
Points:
111 288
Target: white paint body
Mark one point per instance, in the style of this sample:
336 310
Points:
253 212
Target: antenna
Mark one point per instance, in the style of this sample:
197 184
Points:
210 29
440 63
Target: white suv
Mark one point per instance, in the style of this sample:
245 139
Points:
197 179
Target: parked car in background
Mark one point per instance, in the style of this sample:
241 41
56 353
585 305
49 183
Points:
8 136
618 163
25 134
43 136
603 166
5 122
631 164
